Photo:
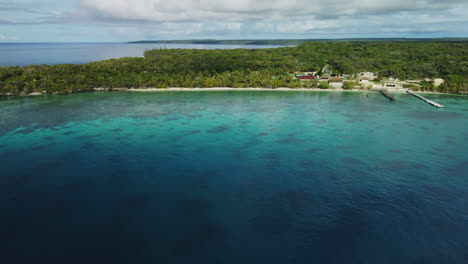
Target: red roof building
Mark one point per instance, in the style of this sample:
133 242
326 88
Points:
307 77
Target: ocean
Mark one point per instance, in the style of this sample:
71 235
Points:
233 177
21 54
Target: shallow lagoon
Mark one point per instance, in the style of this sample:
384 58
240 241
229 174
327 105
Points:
234 176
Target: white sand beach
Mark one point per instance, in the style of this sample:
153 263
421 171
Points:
254 89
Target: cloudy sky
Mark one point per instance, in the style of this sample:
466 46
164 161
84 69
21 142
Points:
126 20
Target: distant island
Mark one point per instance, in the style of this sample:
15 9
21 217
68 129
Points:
439 66
293 42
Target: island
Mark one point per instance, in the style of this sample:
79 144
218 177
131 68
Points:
291 42
438 66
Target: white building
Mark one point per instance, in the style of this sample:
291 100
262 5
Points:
336 85
364 81
336 82
368 75
438 82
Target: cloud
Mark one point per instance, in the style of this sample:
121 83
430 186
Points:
231 17
253 17
242 10
29 12
4 37
163 19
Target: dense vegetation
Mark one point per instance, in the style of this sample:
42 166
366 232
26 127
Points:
249 68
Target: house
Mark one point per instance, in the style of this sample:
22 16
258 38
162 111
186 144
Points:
438 82
336 82
307 77
364 80
310 73
324 78
368 75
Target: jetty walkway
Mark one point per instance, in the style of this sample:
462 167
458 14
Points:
425 100
386 94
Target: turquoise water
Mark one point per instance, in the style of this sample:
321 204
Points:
233 177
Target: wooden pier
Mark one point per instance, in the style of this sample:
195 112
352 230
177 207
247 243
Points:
386 94
425 100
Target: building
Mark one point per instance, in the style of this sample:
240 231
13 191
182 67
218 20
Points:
310 73
335 82
364 81
307 77
368 75
438 82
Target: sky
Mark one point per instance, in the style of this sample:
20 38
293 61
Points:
130 20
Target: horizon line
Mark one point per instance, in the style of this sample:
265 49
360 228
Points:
215 39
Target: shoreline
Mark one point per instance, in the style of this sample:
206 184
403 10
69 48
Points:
284 89
255 89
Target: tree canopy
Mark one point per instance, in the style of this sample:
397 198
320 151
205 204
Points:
163 68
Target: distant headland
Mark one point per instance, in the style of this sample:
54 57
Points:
292 42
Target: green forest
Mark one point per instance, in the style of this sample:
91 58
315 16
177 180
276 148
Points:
164 68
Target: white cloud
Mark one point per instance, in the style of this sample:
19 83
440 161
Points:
235 10
251 17
163 19
4 37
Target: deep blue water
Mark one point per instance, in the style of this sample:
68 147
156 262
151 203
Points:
233 177
21 54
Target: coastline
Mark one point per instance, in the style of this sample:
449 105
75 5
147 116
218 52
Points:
255 89
187 89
